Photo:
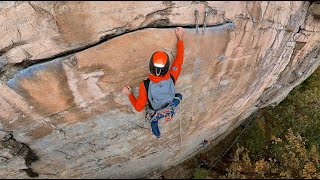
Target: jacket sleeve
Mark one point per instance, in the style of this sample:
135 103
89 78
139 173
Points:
140 102
177 63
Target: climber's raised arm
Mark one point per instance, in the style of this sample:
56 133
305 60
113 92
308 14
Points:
177 63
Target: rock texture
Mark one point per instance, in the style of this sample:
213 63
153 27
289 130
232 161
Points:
63 65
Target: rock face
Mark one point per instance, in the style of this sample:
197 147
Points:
63 65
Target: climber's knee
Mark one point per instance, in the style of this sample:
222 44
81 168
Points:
178 95
176 100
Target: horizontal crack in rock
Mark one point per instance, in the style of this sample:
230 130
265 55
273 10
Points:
6 75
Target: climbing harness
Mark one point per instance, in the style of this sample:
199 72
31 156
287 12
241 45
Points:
196 13
167 113
205 21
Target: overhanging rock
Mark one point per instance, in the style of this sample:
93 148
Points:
64 65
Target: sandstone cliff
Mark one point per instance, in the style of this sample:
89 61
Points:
63 65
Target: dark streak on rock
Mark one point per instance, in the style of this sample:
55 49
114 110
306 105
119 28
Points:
13 45
19 149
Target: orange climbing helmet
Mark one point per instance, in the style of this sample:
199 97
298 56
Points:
159 63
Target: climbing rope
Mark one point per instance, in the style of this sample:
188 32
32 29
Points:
231 145
179 121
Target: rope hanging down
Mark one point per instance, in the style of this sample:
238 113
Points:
218 159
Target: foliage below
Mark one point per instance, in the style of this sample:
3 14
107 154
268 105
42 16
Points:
295 161
282 142
200 173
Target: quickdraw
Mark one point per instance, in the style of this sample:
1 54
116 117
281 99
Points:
196 13
204 21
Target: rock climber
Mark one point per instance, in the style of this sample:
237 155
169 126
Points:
158 90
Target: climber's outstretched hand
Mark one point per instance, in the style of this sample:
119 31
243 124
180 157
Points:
180 33
126 90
